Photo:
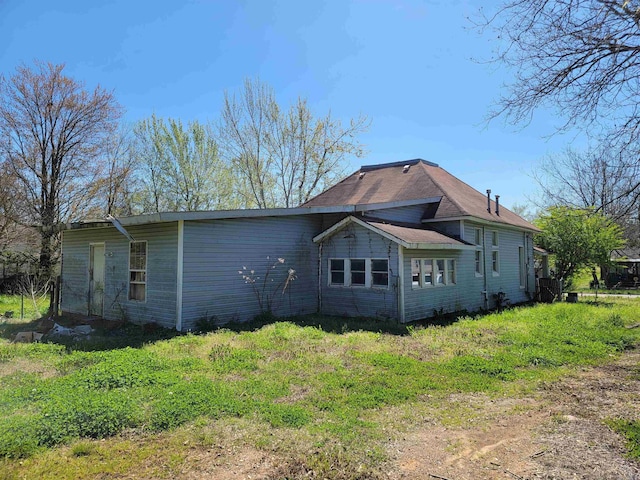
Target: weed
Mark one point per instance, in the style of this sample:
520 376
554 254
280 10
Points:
82 449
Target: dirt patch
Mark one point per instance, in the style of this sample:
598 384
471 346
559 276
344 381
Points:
557 434
221 464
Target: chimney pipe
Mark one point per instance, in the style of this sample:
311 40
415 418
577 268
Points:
498 205
488 200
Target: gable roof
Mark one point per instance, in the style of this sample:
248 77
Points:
409 236
450 197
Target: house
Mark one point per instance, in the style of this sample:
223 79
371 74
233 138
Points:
399 241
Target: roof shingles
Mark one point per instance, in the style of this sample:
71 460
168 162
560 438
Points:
395 183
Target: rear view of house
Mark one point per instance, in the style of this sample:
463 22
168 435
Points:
401 241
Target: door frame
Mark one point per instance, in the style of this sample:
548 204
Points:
90 295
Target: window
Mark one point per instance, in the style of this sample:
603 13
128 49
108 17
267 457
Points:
380 273
523 267
478 237
494 239
415 272
451 271
359 272
479 253
479 267
495 262
428 272
337 271
138 271
440 279
495 254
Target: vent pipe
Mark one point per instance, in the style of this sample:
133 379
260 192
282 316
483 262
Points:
498 205
488 200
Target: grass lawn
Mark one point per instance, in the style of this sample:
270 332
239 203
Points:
583 279
326 394
13 303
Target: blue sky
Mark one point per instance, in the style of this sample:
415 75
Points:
408 65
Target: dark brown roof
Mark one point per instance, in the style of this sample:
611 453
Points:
393 182
408 235
416 234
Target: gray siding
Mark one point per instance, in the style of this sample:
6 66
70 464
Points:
355 241
453 229
508 279
160 304
424 302
410 214
215 252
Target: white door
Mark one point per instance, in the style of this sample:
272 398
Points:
96 280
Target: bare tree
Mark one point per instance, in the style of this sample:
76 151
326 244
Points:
282 158
243 134
581 58
599 179
52 134
578 56
9 229
121 167
308 154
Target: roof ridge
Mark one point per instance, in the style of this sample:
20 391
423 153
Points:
401 163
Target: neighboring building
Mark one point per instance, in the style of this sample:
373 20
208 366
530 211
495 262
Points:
625 269
400 241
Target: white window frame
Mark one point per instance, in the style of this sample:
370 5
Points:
372 271
479 254
478 241
451 272
138 270
495 262
449 278
479 262
364 272
344 272
368 273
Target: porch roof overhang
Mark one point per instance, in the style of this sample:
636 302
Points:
540 251
409 237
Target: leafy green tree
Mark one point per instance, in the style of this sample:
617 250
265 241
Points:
180 167
578 237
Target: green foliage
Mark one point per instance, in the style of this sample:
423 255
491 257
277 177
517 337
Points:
578 238
207 324
325 385
188 400
14 303
227 359
182 168
280 415
631 431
